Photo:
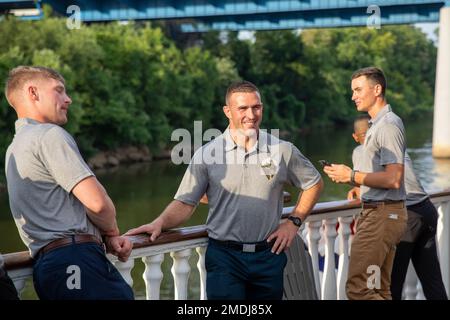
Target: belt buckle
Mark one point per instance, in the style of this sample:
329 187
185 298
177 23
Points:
246 247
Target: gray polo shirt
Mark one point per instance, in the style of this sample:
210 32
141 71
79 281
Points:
385 144
244 189
415 193
42 166
357 157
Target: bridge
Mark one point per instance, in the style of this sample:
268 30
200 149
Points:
235 15
203 15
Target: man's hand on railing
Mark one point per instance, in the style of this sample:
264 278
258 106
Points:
153 229
119 246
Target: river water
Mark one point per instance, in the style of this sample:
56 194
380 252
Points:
141 191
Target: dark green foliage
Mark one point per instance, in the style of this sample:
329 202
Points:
305 78
131 85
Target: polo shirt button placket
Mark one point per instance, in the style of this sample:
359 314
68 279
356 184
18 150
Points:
246 171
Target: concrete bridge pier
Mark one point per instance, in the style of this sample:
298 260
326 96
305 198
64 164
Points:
441 125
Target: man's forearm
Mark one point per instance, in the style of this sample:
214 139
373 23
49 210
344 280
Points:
383 179
175 214
307 200
105 218
99 206
390 178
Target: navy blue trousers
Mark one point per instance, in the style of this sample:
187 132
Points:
235 275
81 272
7 289
418 244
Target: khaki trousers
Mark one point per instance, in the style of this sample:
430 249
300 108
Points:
378 231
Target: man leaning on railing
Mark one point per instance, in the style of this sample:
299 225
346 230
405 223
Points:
244 185
59 207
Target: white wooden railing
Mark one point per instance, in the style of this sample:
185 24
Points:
319 232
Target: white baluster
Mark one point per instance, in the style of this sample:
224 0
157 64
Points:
329 273
313 243
19 277
344 235
125 270
410 285
420 295
153 276
180 271
443 242
20 285
202 271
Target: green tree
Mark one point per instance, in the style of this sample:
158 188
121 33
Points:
131 85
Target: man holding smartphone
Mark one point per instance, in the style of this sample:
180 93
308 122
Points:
324 163
418 244
382 221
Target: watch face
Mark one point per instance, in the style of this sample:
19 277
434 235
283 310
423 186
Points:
297 221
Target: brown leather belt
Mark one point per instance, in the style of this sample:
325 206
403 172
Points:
76 238
376 204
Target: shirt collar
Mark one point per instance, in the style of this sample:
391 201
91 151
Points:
263 141
24 121
387 108
261 145
229 142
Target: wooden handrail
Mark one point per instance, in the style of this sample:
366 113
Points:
173 235
17 260
22 259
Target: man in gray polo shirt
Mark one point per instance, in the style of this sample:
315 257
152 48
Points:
60 209
382 222
418 244
243 172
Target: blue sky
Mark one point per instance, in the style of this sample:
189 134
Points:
429 28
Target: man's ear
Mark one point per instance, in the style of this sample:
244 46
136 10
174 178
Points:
378 89
355 137
33 93
227 111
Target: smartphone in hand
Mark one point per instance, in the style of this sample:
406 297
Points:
324 163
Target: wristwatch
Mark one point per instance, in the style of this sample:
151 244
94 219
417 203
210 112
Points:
295 220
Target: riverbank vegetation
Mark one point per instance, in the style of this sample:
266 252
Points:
132 86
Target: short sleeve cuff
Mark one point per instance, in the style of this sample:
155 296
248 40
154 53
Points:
77 180
187 200
311 183
393 161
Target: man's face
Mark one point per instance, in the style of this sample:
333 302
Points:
53 103
244 110
364 93
360 129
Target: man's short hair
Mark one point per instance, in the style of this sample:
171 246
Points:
375 75
18 76
361 117
240 86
